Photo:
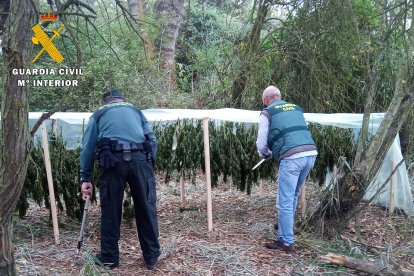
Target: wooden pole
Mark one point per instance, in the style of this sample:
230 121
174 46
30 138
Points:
48 166
208 175
54 127
393 187
303 201
182 185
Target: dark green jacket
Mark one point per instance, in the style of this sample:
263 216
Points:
288 132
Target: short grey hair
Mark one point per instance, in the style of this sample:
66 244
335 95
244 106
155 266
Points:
271 91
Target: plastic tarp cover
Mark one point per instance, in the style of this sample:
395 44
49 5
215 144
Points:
72 125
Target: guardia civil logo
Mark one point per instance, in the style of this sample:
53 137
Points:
40 37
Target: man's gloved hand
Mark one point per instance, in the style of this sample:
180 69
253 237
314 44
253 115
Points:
104 155
86 189
106 159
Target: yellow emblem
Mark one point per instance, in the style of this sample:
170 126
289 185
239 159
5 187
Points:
46 42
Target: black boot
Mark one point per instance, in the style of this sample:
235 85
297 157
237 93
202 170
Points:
151 264
100 261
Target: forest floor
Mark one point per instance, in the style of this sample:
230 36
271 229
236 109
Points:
242 225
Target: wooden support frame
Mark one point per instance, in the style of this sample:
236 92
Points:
303 203
208 174
393 186
45 145
182 188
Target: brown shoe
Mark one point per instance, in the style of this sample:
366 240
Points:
280 245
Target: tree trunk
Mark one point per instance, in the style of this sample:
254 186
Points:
15 138
335 211
247 56
170 13
137 10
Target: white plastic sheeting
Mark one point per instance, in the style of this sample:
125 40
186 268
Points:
72 125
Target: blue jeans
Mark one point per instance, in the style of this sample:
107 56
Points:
292 175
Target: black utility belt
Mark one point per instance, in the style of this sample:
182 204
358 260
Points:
127 147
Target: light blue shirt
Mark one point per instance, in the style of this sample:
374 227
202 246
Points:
123 124
261 142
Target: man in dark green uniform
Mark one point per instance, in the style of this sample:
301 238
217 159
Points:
119 137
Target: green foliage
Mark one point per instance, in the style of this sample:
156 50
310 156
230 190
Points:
112 55
317 72
320 53
205 53
92 266
232 152
180 150
332 142
129 212
187 136
65 172
34 185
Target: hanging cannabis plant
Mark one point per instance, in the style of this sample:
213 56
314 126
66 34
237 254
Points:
180 151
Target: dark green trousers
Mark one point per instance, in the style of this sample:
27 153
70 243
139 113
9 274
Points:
139 174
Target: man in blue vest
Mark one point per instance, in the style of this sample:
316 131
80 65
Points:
119 137
283 135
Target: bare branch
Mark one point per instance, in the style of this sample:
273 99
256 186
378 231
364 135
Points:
62 8
126 12
78 14
72 35
44 116
127 15
86 6
47 115
100 35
